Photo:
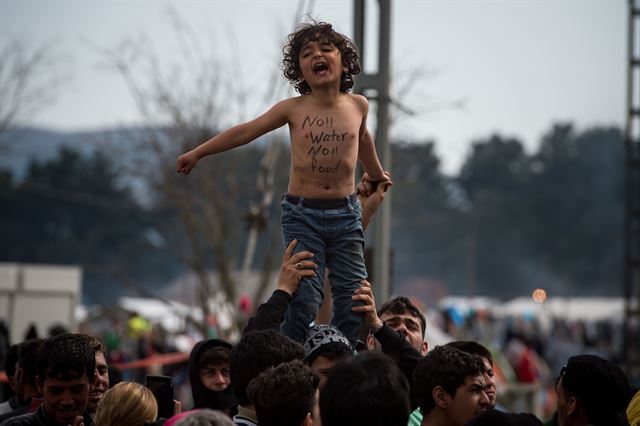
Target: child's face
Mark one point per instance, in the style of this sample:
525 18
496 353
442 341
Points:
215 377
320 63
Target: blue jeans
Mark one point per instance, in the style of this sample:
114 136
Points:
336 238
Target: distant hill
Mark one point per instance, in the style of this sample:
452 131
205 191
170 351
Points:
20 146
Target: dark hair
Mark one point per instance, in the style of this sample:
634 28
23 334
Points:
316 31
601 386
473 348
66 357
216 355
285 394
444 366
366 389
10 360
204 355
257 351
32 332
96 345
28 352
401 305
56 329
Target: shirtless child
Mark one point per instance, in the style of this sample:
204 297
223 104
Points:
327 128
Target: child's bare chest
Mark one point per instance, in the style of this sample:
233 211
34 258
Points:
324 152
329 127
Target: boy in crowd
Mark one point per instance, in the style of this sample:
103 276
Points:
257 351
327 127
325 345
65 370
592 391
10 370
475 348
398 329
25 384
101 383
449 387
286 395
209 374
367 389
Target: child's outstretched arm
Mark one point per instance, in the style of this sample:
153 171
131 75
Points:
236 136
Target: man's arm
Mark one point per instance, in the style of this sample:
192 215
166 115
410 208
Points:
236 136
391 342
270 314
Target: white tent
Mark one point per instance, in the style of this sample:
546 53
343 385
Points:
569 308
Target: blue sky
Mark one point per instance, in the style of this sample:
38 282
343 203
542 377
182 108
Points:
512 67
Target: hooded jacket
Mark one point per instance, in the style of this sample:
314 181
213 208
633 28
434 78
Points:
204 397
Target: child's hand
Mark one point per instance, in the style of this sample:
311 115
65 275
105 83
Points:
369 185
384 179
186 162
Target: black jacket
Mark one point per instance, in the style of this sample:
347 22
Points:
204 397
39 418
270 314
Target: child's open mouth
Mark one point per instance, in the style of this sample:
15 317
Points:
320 68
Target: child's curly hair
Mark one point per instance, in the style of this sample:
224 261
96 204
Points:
313 32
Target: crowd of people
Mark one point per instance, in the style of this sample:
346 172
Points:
390 378
551 337
370 367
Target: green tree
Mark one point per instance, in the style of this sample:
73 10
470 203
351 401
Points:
552 219
186 100
426 209
578 208
495 177
74 210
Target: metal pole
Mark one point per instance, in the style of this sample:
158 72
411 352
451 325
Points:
631 349
380 275
381 265
358 29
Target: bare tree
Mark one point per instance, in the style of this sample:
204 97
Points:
183 106
30 78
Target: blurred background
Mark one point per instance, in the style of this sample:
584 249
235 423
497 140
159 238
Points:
506 147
